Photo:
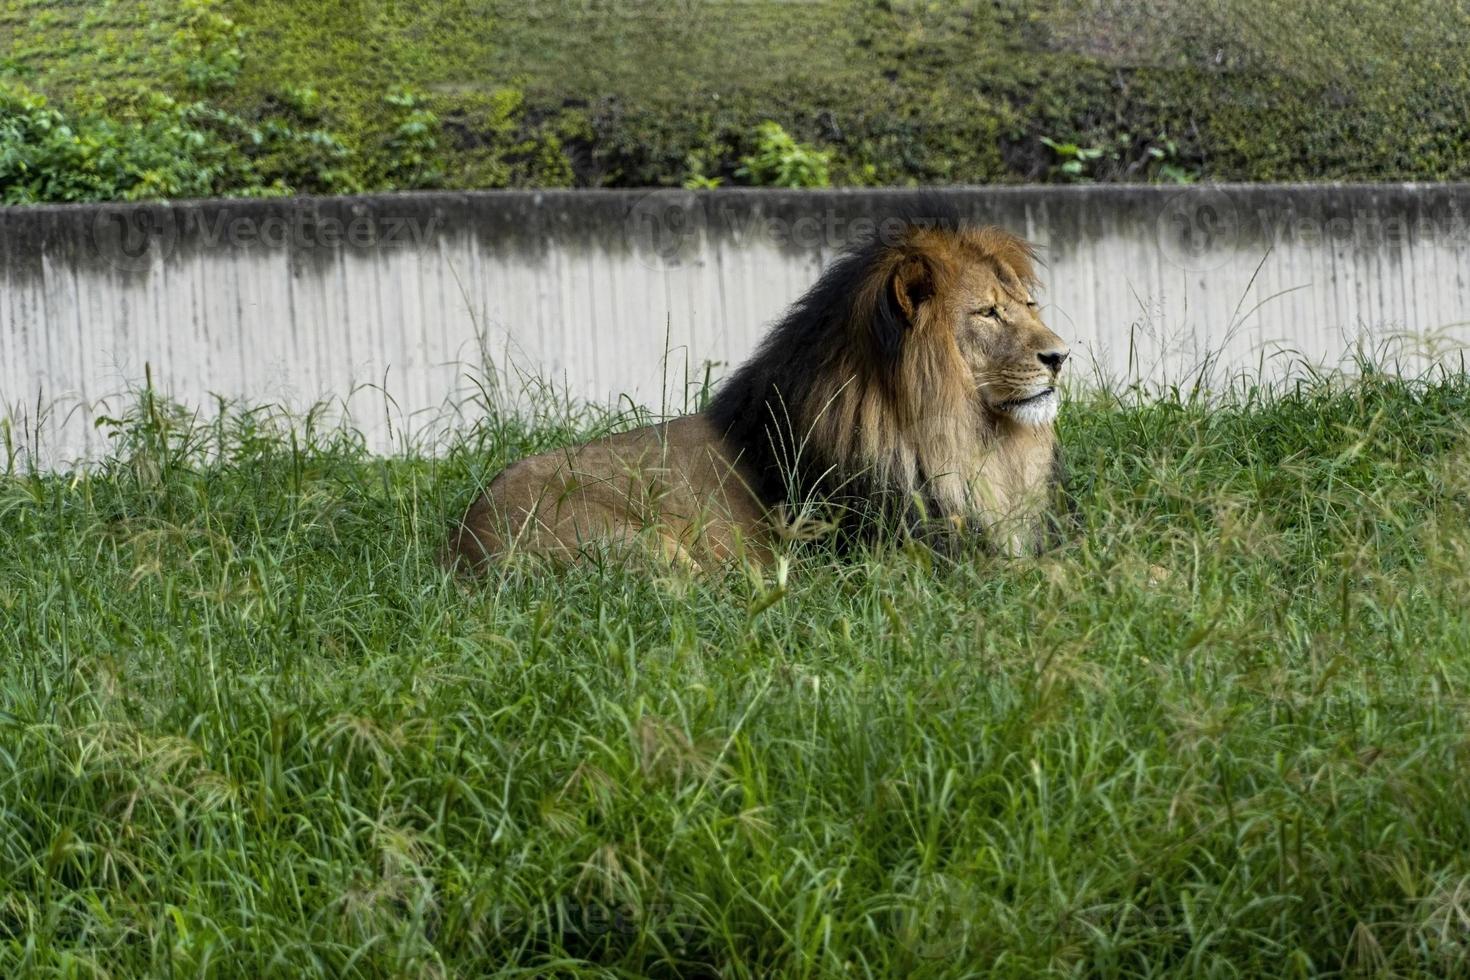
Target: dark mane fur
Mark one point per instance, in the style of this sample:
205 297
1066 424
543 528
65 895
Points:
766 409
859 400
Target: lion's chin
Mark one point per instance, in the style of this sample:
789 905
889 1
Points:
1035 410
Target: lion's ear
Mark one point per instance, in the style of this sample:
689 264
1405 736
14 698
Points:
911 286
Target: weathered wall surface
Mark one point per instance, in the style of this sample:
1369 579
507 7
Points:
628 293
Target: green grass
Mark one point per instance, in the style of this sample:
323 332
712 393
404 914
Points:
74 44
248 728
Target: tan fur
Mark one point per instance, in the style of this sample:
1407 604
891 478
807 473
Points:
669 488
942 424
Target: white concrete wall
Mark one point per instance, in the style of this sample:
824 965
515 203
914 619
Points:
300 300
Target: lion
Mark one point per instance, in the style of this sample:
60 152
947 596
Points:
911 393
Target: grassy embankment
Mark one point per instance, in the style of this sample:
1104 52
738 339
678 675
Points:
347 95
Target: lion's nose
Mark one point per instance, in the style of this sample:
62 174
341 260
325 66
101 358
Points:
1053 359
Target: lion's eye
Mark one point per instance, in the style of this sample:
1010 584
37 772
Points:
989 312
1032 303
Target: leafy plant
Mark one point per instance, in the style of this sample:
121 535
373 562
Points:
697 166
142 144
1169 169
406 158
780 161
157 149
1157 160
1074 159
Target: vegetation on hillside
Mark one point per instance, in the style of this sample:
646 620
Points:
150 98
250 728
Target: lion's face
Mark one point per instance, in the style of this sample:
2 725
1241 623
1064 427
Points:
1014 357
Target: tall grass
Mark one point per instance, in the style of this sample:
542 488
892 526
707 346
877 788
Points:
247 727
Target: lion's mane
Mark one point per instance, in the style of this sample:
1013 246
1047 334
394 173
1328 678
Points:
846 402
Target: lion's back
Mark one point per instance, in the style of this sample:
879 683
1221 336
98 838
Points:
671 479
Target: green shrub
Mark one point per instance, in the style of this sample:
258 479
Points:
1155 159
151 146
159 150
137 144
281 155
405 157
780 161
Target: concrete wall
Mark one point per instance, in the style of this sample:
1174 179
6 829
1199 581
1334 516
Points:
609 293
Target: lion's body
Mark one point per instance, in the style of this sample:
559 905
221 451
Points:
911 391
672 488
